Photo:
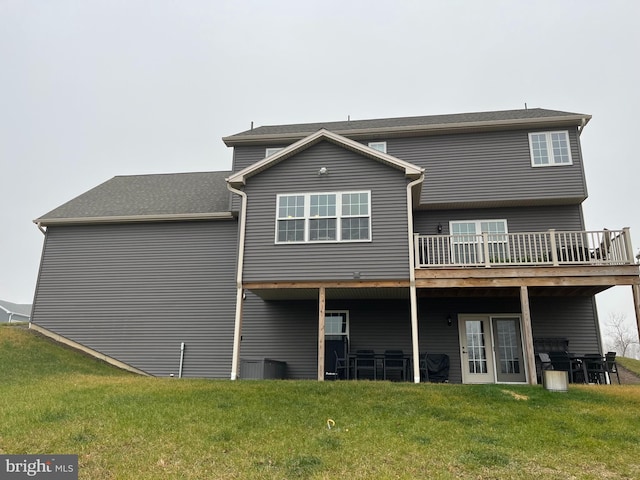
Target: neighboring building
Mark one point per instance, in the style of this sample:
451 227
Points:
454 234
14 312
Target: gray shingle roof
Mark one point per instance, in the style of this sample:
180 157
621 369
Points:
396 123
20 308
140 195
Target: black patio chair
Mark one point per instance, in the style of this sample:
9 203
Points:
543 362
394 361
341 367
596 368
365 361
563 361
612 366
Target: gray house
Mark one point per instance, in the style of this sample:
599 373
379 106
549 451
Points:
460 235
14 312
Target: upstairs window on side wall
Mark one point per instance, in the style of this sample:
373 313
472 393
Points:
549 149
380 146
324 217
270 151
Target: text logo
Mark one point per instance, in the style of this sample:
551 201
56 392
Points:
46 467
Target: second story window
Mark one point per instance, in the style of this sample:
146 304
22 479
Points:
380 146
549 148
270 151
324 217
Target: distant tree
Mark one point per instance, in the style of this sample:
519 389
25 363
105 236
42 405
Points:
621 336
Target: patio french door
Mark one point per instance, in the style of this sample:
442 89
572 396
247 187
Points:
466 236
491 349
336 343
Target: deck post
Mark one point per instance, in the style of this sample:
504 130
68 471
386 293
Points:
527 334
628 248
635 289
415 345
485 249
554 247
321 329
416 251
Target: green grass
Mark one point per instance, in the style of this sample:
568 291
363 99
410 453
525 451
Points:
55 400
630 364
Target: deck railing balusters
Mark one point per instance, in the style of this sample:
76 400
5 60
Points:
601 247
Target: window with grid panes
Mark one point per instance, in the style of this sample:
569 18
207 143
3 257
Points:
324 217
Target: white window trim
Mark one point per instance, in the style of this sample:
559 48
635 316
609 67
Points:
307 217
375 146
552 162
339 312
271 150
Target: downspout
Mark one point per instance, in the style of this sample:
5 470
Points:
237 331
181 360
412 282
39 225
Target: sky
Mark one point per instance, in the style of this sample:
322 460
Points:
91 89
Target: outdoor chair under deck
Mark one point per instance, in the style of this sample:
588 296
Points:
342 372
394 361
595 367
612 366
543 362
365 361
563 361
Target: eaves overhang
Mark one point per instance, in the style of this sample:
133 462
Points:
179 217
578 120
410 170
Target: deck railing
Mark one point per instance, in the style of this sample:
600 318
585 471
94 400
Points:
550 248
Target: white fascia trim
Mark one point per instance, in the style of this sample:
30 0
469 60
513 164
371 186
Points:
8 311
240 177
176 217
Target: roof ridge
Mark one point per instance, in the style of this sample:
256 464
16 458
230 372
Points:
170 173
443 123
479 112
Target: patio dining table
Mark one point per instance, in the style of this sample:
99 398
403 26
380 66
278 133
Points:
594 367
379 363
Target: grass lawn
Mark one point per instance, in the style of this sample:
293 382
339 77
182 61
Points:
54 400
630 364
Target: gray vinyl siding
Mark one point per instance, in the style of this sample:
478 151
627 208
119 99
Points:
572 317
385 257
244 157
519 219
287 331
477 169
492 168
136 291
